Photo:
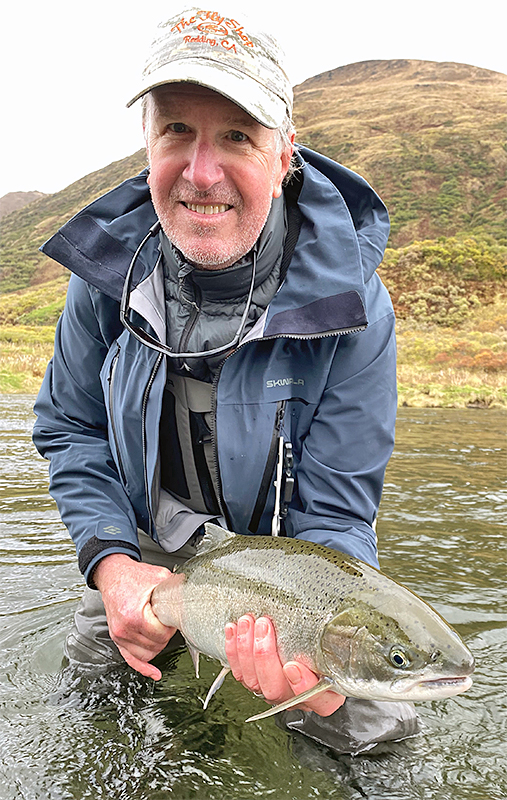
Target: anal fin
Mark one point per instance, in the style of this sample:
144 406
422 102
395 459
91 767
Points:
324 685
194 654
215 686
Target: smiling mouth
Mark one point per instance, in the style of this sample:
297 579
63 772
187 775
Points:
201 209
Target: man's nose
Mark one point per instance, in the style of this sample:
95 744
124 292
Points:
203 169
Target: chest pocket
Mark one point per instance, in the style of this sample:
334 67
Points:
188 471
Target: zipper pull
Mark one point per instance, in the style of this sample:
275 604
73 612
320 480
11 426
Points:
284 484
287 479
275 522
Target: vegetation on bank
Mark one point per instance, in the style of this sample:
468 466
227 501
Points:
442 367
22 364
450 298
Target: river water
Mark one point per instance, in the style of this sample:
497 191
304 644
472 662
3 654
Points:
441 532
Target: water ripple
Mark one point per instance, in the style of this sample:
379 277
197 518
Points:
64 737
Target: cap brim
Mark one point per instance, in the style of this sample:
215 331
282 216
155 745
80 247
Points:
263 105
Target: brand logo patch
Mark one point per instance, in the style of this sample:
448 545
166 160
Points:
285 382
112 530
209 23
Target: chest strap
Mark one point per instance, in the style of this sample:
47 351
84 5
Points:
188 471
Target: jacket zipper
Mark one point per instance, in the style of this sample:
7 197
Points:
112 373
191 321
302 337
143 433
221 502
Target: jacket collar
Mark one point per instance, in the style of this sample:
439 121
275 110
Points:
343 234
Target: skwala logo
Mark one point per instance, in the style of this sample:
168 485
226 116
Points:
285 382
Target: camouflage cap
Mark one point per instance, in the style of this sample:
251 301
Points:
220 53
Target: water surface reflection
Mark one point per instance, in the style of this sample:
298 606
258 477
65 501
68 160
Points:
441 531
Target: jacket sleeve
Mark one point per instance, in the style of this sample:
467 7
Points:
344 456
71 431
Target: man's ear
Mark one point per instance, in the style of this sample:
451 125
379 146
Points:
147 155
283 166
145 135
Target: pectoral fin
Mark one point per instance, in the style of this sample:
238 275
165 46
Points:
215 686
323 686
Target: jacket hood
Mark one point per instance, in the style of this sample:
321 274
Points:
340 215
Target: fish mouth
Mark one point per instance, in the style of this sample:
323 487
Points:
201 208
432 688
459 684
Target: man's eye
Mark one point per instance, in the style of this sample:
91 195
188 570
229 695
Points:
238 136
178 127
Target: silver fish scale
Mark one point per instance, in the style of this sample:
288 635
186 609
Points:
368 635
302 589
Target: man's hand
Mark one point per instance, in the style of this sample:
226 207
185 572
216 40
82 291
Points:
126 588
251 650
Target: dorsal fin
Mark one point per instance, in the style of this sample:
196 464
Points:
214 537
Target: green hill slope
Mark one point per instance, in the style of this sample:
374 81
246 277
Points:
430 137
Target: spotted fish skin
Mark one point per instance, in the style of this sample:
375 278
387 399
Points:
363 633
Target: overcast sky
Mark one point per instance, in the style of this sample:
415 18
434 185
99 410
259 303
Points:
68 68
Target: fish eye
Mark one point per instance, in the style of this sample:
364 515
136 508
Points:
398 657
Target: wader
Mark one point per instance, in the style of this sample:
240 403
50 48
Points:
186 500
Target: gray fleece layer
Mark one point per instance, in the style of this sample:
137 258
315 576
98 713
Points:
204 307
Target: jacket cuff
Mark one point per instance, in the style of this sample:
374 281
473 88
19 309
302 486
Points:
96 549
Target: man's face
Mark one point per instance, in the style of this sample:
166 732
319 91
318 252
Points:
213 173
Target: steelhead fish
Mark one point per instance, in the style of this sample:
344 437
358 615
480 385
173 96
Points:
364 634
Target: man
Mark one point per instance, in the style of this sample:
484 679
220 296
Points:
220 303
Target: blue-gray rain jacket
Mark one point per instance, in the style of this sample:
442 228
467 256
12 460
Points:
323 353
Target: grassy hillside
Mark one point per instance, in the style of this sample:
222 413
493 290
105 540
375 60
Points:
431 139
22 232
13 200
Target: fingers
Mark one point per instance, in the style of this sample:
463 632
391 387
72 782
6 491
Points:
140 628
245 647
138 650
301 679
146 669
251 650
252 653
273 683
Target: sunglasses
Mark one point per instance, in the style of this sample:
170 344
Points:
146 338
